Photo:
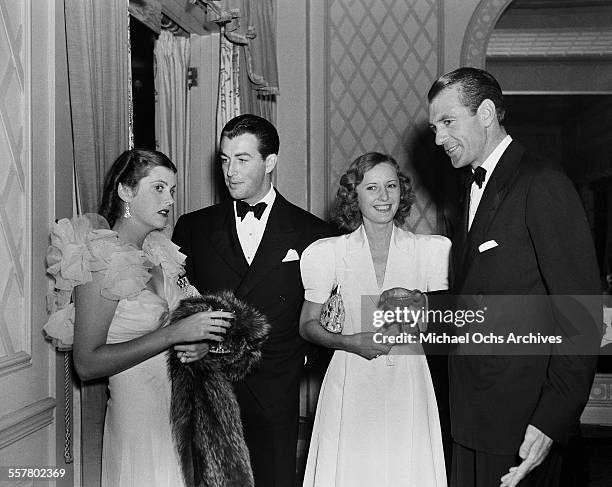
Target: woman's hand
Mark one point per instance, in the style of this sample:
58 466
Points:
94 358
363 344
205 325
191 352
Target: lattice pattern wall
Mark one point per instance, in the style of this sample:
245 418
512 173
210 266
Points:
14 180
383 57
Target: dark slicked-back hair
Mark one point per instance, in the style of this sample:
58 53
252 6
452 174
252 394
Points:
128 169
475 86
248 123
346 213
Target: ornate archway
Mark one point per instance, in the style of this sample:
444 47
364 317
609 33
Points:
476 38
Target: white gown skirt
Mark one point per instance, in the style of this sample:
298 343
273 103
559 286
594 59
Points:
376 424
138 448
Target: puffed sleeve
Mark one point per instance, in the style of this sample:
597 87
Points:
162 251
69 259
439 263
318 268
126 272
79 247
125 267
70 263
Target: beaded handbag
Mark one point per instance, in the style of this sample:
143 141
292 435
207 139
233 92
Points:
332 313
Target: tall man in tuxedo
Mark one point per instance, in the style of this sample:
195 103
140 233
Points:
524 234
252 245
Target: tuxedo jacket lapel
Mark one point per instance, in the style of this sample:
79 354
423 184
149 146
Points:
224 239
460 234
495 192
279 236
484 215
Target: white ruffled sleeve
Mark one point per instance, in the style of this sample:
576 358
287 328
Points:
127 272
162 251
79 247
70 263
318 268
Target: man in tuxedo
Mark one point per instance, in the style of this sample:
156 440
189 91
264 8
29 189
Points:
523 242
252 245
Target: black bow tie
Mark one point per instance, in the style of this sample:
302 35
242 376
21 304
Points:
477 176
242 208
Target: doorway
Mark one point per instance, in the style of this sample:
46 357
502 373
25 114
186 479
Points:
142 43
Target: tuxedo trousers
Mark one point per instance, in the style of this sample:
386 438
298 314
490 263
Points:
438 369
271 437
472 468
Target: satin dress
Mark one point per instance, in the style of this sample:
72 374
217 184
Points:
138 448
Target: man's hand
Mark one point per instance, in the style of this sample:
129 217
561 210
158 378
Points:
533 451
411 301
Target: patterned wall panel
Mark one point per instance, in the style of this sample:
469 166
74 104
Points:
383 57
14 183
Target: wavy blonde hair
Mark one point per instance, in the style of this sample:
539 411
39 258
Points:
346 213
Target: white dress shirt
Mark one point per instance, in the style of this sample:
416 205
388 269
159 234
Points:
489 165
251 230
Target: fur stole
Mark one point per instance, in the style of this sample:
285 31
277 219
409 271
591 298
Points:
204 414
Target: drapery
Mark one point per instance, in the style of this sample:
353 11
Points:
98 61
260 99
228 105
251 24
98 70
172 110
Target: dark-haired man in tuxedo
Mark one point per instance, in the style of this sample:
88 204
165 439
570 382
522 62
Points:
252 245
524 243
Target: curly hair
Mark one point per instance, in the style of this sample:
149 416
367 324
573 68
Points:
346 213
128 169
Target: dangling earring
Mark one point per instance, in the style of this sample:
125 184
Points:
126 213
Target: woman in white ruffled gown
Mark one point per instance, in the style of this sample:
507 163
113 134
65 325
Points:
377 420
125 279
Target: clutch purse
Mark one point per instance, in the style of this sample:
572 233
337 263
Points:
332 313
187 290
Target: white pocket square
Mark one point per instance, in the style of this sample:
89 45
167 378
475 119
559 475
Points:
291 256
483 247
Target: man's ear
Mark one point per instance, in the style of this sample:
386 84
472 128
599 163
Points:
487 113
271 162
125 193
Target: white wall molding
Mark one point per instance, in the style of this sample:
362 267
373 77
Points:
15 190
319 171
25 421
27 144
478 32
19 483
15 362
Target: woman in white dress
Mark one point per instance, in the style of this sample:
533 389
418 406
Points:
377 420
125 279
